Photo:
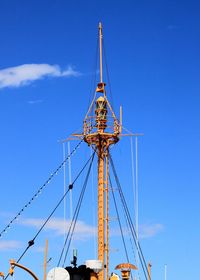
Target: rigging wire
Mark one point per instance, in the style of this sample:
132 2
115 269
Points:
133 231
38 192
64 187
93 210
119 221
108 76
78 207
120 226
136 194
134 171
133 175
94 80
32 241
75 212
130 240
70 181
132 228
129 219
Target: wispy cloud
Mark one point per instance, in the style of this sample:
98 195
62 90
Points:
150 230
82 230
40 249
9 245
32 102
28 73
145 230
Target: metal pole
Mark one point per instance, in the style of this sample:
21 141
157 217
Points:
100 51
101 228
70 179
136 185
121 118
133 177
107 216
64 179
93 210
136 201
165 272
45 260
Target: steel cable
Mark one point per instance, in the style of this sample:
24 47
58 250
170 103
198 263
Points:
66 239
78 207
137 244
40 189
32 241
119 221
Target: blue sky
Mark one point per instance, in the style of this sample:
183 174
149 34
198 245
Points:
47 69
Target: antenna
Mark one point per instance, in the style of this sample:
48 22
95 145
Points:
136 196
74 261
70 179
100 52
101 84
64 190
120 119
165 272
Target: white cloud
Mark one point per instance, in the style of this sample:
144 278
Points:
82 230
150 230
32 102
145 230
40 249
85 231
28 73
9 245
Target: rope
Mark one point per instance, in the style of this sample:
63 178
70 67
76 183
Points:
82 195
119 221
75 216
32 241
137 244
38 192
127 214
120 225
131 243
108 76
130 240
94 80
129 219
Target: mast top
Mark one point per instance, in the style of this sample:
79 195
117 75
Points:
95 122
101 85
100 53
100 25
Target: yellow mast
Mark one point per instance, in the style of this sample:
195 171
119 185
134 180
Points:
101 136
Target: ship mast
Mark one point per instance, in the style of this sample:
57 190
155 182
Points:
100 52
101 130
